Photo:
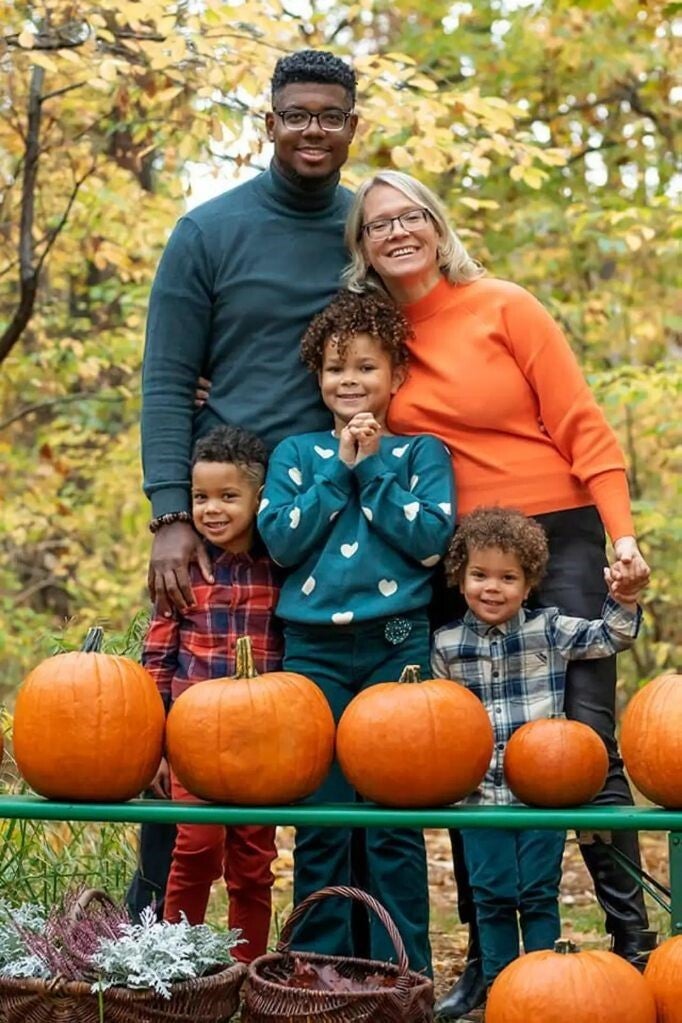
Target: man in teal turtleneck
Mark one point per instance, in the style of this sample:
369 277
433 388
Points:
239 281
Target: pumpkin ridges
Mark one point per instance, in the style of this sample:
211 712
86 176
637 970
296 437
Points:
580 987
414 744
88 726
555 762
651 740
663 974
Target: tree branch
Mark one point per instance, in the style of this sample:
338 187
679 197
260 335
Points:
66 399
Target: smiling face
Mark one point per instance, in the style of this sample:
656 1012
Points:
362 379
224 505
494 584
406 260
311 155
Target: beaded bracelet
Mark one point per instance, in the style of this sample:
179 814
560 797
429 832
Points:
165 520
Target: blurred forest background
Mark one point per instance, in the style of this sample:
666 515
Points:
546 127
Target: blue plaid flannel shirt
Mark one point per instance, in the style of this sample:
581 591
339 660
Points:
518 669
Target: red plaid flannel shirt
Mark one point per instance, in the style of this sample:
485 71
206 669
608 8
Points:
199 642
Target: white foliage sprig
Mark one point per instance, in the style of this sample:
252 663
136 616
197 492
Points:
15 959
155 954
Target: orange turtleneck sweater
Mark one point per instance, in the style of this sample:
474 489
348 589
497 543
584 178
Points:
492 375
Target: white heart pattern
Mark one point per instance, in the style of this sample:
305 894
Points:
413 482
263 505
342 617
294 517
295 475
333 516
349 549
446 506
367 512
432 560
323 452
399 452
410 510
387 587
309 585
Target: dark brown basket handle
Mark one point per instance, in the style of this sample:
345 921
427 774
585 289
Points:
85 898
284 943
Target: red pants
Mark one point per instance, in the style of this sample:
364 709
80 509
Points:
242 855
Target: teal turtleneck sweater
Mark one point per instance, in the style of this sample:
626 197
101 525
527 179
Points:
238 282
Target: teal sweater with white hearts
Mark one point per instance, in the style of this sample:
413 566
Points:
361 542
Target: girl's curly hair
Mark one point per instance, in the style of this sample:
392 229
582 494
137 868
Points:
349 314
506 528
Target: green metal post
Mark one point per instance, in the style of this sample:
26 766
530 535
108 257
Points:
675 849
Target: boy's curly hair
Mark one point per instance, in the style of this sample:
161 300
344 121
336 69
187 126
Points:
506 528
234 446
350 313
314 66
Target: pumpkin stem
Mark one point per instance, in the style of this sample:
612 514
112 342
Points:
564 946
244 666
410 673
92 644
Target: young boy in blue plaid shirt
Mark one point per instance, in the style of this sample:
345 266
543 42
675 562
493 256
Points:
515 661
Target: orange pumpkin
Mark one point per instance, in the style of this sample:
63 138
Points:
555 762
251 739
414 743
88 726
651 740
568 986
663 974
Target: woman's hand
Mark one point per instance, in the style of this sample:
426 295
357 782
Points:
629 574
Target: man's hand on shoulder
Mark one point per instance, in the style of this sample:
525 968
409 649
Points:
175 547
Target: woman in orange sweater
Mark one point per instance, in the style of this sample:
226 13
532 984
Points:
492 375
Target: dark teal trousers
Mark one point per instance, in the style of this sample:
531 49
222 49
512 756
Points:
515 878
344 660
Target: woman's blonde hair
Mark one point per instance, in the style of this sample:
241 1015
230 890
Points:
454 261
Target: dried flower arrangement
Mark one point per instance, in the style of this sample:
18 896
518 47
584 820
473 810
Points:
89 938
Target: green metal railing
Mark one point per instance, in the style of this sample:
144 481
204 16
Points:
364 815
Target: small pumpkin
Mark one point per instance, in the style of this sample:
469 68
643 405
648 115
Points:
565 985
251 739
663 974
413 742
555 762
651 740
88 726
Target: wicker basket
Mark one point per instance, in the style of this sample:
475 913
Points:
211 999
268 1000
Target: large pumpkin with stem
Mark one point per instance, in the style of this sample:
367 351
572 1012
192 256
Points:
88 726
555 762
651 740
663 974
567 986
251 739
414 743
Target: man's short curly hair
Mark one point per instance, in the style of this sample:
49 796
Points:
314 66
234 446
349 314
506 528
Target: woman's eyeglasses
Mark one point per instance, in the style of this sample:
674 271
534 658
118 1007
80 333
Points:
410 220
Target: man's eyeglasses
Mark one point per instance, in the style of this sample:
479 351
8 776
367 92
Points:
410 220
298 119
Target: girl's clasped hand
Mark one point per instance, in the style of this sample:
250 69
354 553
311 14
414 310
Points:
359 438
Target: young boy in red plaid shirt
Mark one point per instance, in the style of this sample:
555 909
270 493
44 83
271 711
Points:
228 468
